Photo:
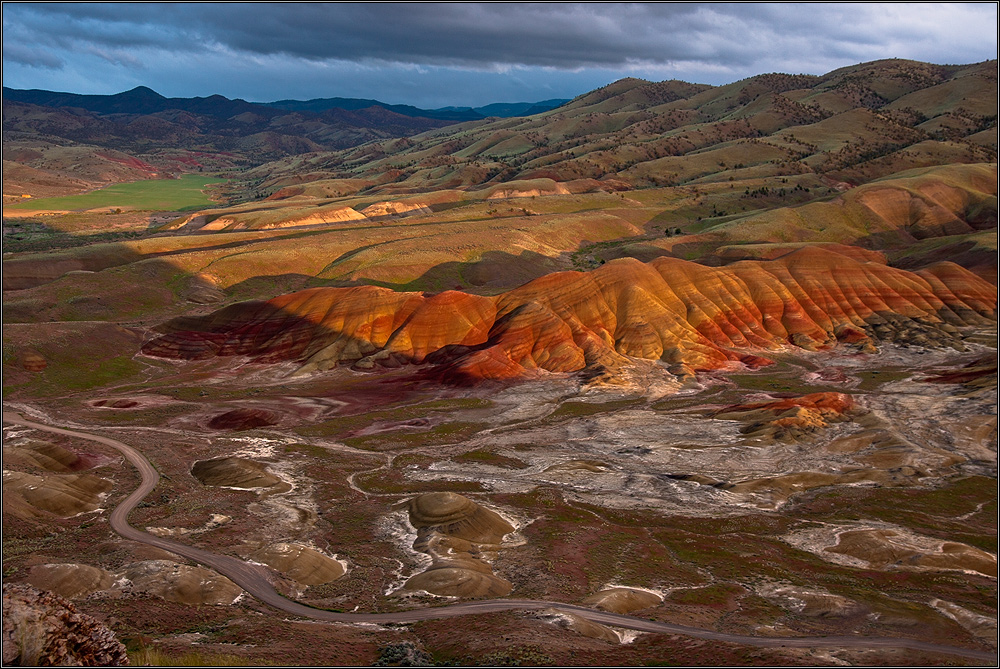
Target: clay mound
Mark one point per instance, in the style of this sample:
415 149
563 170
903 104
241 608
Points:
791 418
604 185
233 472
70 580
883 549
116 404
981 626
451 581
63 495
300 563
43 455
290 217
456 533
810 603
457 516
395 209
243 419
622 600
182 584
326 326
669 309
43 629
324 188
528 188
33 361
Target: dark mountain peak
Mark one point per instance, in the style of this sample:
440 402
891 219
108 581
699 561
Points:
142 92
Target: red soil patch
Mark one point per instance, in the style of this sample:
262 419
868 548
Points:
130 161
116 404
243 419
830 402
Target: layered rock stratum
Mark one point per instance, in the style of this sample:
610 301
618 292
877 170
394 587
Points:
687 315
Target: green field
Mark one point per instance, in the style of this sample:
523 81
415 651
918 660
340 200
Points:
153 195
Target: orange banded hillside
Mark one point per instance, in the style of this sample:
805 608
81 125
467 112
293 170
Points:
689 315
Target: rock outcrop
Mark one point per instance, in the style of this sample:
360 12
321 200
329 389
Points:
43 629
685 314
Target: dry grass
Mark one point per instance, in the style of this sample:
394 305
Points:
154 657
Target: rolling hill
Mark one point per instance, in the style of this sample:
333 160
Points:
851 125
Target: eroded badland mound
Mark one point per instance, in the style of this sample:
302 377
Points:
685 314
458 534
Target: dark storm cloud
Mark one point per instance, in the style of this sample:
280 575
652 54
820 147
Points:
513 47
33 57
473 35
469 35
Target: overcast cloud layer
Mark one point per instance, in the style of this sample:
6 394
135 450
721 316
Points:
434 55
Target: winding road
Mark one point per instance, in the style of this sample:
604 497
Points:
254 580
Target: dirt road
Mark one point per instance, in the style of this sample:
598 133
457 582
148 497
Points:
254 580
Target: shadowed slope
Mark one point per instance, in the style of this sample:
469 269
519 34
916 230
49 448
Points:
671 310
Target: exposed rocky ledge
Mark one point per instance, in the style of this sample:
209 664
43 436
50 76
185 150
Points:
41 629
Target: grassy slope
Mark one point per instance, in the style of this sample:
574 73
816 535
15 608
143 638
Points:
186 192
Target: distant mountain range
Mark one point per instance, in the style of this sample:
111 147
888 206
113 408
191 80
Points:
143 100
497 109
56 143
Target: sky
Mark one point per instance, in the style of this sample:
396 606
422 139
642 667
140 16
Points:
463 54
